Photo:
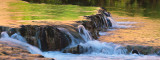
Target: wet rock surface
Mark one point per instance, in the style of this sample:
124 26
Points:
50 38
8 52
75 50
94 24
145 50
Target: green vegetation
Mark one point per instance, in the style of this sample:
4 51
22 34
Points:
145 8
73 9
33 11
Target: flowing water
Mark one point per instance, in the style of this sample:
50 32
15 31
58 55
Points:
120 24
5 38
96 50
91 49
84 33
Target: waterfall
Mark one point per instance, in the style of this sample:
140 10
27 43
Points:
18 37
39 43
74 40
93 49
4 35
104 21
91 46
114 23
84 33
95 46
38 40
5 38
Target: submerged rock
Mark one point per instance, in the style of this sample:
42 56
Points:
12 31
75 50
146 50
135 52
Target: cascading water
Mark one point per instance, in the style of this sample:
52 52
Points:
5 38
92 49
84 33
39 43
74 40
38 40
18 37
116 24
4 35
104 22
96 50
91 46
94 46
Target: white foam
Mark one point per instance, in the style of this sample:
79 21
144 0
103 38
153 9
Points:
116 24
127 22
18 37
84 33
103 47
96 50
97 56
30 48
4 35
74 40
102 33
124 26
111 29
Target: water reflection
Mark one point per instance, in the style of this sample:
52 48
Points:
147 8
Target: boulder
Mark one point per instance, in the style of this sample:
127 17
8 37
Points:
94 24
51 39
74 50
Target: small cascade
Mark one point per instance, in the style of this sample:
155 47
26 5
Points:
84 33
94 46
74 40
89 49
18 37
38 40
5 38
4 35
114 23
91 46
39 43
119 24
58 42
97 47
104 21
